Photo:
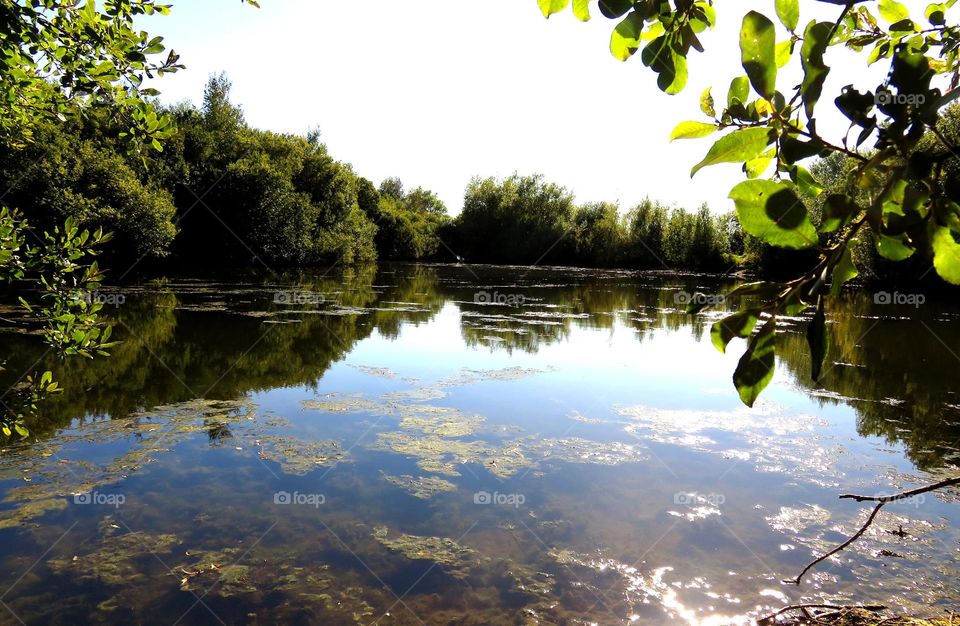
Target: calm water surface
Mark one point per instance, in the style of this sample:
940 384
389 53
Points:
451 445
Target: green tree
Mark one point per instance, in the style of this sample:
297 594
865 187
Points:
599 235
59 60
520 219
408 224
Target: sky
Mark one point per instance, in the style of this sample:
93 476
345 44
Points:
439 91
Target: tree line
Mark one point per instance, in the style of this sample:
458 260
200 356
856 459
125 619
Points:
223 194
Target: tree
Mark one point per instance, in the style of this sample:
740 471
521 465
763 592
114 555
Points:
60 60
599 234
520 219
906 209
392 187
408 224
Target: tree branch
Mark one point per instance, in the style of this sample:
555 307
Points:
881 501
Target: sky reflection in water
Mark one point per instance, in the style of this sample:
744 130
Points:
489 445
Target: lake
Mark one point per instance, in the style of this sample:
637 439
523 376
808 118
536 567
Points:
429 444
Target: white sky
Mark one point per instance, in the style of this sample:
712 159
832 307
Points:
437 91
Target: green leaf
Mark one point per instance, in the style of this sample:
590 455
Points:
754 168
772 211
784 52
893 11
758 52
805 182
935 14
581 9
789 13
761 288
894 248
792 149
740 324
837 211
692 130
817 340
674 78
755 369
615 8
816 37
843 272
549 7
741 145
625 38
739 91
707 104
946 255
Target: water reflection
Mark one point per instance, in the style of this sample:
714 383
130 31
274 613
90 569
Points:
426 443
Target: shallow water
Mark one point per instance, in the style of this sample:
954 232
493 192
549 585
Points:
435 444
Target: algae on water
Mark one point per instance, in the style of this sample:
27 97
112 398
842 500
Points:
423 487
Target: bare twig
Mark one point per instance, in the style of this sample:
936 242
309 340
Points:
769 619
881 501
949 482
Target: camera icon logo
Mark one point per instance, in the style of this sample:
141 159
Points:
482 497
282 497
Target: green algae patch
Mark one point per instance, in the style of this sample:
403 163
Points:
216 572
298 457
469 376
442 455
417 394
117 558
446 553
577 450
378 372
50 478
423 487
29 510
343 403
439 421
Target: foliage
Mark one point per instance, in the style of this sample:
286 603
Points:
76 171
246 196
527 220
62 304
521 219
60 57
901 202
408 224
58 61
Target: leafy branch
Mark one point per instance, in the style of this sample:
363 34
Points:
771 134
